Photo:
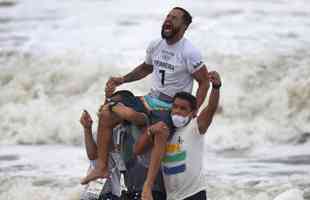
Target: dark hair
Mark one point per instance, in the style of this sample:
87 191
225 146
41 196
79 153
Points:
186 16
123 93
188 97
130 100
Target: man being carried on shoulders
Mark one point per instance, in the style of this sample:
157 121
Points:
173 62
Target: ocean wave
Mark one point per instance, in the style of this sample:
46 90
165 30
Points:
61 64
42 99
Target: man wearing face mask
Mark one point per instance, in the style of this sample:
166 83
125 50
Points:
182 162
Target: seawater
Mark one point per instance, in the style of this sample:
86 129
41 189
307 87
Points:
55 57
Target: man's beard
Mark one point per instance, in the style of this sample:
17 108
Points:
170 35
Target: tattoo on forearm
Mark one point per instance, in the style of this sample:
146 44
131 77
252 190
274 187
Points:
137 74
132 76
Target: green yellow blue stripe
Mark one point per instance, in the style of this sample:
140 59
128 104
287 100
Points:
173 148
174 170
175 157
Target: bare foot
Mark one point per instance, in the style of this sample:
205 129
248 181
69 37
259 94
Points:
93 175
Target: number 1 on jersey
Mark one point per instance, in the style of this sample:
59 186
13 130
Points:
162 72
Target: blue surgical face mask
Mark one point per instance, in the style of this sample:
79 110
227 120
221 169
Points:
180 121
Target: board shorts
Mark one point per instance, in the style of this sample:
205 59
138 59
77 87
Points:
158 101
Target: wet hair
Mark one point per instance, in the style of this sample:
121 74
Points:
122 93
129 100
187 18
188 97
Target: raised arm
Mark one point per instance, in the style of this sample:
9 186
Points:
91 147
206 115
201 76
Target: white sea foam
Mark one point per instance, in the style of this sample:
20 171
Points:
23 188
56 57
41 172
293 194
54 171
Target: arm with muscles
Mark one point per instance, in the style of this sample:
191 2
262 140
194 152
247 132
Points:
122 111
128 114
125 113
201 76
91 147
206 115
138 73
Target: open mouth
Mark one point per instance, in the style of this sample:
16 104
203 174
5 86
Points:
168 27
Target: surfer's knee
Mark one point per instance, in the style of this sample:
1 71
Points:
162 135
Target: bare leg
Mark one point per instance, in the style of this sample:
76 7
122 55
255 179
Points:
143 143
107 121
158 150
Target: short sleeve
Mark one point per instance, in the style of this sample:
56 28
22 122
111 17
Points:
148 56
193 59
150 50
195 126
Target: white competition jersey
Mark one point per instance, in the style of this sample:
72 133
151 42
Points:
173 65
182 165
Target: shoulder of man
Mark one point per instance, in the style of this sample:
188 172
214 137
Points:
156 41
154 44
192 56
189 48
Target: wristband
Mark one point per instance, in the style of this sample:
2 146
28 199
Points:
216 86
87 127
111 105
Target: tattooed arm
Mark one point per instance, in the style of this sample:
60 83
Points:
138 73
